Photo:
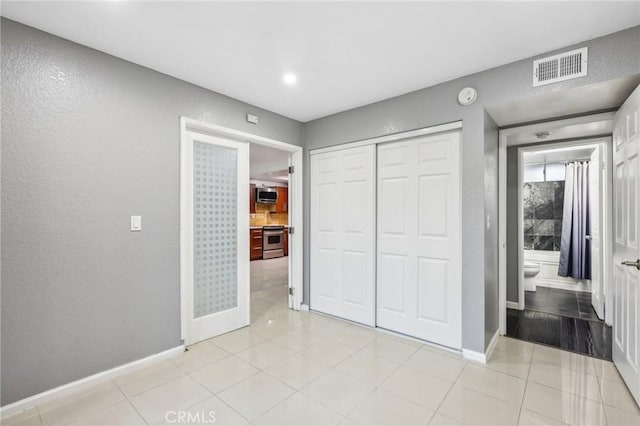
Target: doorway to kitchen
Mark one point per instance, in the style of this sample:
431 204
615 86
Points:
269 231
216 196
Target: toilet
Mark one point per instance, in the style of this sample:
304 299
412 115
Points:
531 269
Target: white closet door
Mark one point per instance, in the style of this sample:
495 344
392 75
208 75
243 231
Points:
343 233
418 246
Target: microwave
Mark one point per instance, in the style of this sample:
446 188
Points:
267 195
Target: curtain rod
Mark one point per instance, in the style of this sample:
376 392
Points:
557 162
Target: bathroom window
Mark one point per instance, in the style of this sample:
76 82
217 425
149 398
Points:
543 201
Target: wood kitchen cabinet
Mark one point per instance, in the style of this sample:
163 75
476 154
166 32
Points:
282 206
252 198
255 244
286 241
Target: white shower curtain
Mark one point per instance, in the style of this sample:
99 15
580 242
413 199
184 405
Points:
575 248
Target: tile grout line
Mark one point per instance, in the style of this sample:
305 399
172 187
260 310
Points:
526 386
215 395
131 402
437 410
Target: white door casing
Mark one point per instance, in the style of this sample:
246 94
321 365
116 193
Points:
343 211
214 258
596 204
626 286
418 238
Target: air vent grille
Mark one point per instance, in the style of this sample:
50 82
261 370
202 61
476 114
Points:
564 66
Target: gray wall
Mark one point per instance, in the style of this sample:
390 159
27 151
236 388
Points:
87 141
610 57
490 229
512 224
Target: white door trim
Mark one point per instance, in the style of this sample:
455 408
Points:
503 143
391 138
188 125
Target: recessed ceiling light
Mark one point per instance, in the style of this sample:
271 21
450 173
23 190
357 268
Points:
290 78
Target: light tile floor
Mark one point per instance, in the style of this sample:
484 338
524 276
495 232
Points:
299 368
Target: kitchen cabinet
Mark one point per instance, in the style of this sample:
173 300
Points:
286 241
252 198
283 200
255 244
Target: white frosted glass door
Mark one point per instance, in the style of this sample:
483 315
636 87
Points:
418 239
343 234
215 236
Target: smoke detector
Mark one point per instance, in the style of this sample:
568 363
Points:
467 96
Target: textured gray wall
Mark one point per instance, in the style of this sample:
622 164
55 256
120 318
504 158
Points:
490 234
512 224
610 57
87 141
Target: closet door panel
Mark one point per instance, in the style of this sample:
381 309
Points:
418 242
343 224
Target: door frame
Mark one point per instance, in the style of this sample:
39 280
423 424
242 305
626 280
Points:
190 125
596 143
602 122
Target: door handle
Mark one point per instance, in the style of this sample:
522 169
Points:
588 237
632 263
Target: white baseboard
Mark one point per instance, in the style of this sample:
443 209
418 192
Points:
512 305
304 307
86 382
479 356
474 356
492 345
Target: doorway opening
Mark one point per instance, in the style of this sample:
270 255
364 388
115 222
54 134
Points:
269 231
563 217
539 302
215 229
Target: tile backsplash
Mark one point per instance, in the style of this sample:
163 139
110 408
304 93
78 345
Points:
543 203
264 216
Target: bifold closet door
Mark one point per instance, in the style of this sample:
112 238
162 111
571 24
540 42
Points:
343 233
418 239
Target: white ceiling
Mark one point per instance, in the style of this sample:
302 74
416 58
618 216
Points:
583 127
575 153
344 54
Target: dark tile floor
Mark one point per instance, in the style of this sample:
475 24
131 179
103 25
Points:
562 319
583 336
574 304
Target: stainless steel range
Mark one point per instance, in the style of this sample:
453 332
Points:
272 241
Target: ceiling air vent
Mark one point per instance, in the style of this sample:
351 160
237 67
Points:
565 66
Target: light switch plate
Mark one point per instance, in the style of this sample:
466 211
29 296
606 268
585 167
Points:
136 223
